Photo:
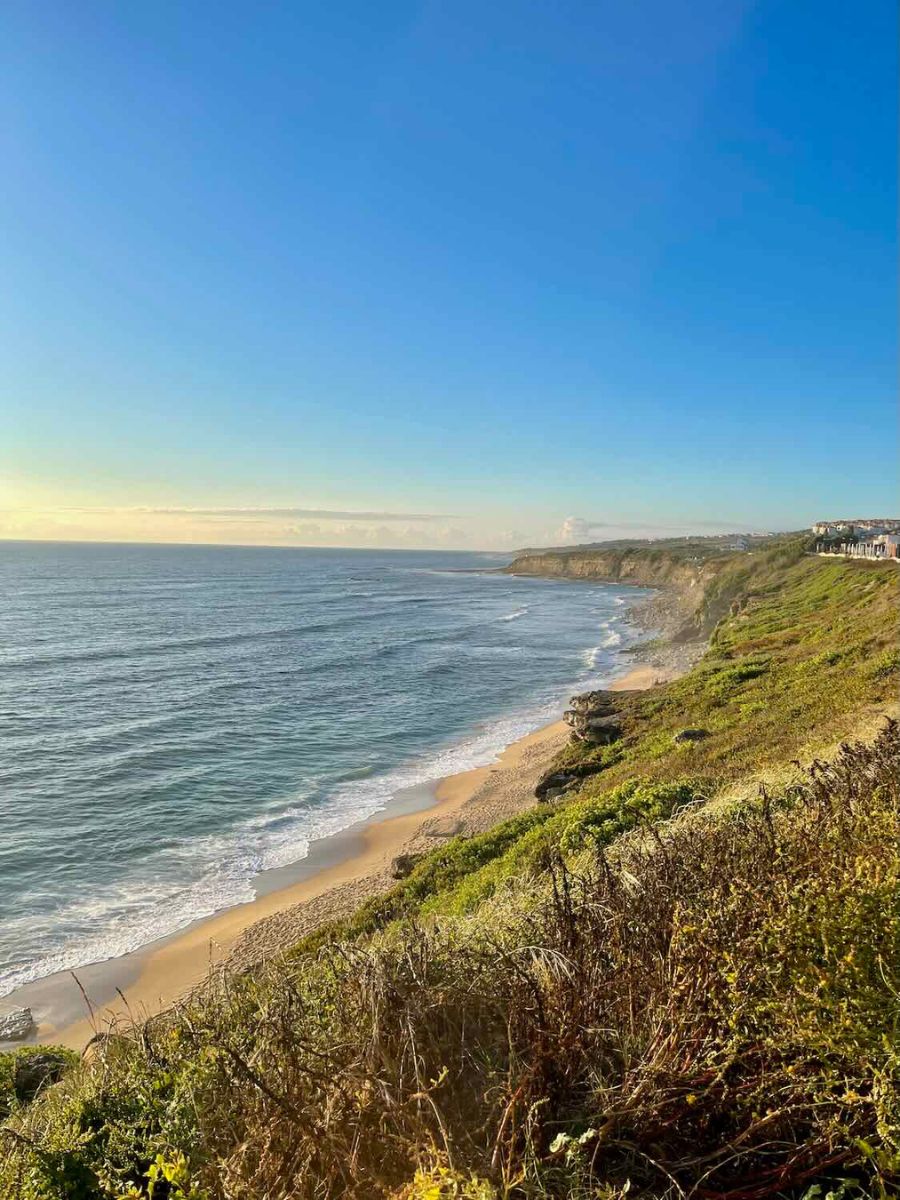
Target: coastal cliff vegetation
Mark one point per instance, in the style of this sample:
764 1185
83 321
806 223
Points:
679 977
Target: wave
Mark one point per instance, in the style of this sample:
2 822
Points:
216 764
164 646
610 641
161 902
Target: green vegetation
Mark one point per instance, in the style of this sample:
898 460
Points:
805 646
25 1072
688 548
670 983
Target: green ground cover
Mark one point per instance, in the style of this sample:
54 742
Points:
668 984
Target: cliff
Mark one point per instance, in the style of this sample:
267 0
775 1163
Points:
645 568
687 579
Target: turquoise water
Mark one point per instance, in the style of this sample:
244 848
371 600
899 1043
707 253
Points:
175 720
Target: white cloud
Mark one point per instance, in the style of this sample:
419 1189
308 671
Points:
574 530
293 525
257 511
577 530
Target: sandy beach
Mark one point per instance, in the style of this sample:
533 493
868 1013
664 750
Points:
339 875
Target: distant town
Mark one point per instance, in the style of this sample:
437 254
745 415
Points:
861 537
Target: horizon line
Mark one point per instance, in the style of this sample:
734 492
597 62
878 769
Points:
252 545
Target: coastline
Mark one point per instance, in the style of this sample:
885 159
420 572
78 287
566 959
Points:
340 871
355 865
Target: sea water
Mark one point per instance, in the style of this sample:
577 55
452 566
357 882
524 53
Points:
176 720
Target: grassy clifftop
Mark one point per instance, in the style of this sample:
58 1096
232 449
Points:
668 983
689 570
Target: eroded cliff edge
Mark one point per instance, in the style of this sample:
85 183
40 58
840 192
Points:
688 582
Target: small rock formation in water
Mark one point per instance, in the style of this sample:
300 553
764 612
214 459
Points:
16 1023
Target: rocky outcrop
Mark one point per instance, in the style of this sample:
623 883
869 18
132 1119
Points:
690 735
645 568
556 783
34 1072
16 1023
599 728
596 718
404 865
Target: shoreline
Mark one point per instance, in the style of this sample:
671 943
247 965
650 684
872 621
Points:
357 864
339 873
347 869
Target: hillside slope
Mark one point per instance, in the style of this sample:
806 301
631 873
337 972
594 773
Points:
667 983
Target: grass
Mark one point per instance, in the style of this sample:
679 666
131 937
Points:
806 645
634 991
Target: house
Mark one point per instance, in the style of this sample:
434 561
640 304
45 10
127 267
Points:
889 544
857 526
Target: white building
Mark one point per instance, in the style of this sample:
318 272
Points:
857 527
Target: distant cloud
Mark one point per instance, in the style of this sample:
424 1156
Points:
575 530
259 525
258 511
296 525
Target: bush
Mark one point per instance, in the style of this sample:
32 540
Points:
709 1009
886 664
27 1071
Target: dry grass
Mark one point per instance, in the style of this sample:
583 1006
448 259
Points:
712 1011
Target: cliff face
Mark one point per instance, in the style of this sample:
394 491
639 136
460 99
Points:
686 579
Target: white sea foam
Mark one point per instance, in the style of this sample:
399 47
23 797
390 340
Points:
227 864
171 739
611 639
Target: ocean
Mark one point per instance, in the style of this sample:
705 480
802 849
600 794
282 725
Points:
175 720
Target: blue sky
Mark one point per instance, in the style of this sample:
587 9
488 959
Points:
445 273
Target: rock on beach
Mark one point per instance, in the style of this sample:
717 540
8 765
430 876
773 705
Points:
16 1023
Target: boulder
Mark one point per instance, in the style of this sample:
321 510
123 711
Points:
594 702
16 1023
593 717
34 1072
403 865
603 729
554 784
690 735
595 727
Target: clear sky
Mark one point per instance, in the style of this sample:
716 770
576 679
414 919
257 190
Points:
447 273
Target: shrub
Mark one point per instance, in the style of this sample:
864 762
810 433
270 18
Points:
709 1009
28 1070
886 664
